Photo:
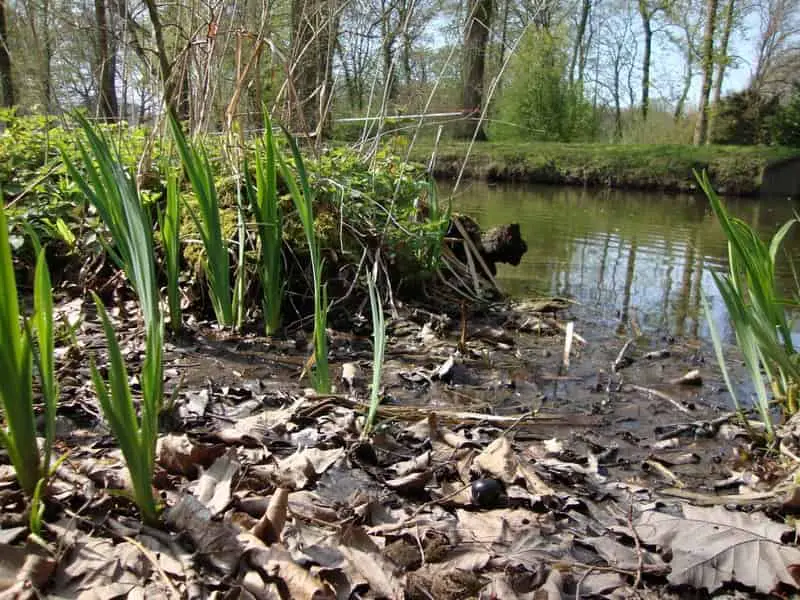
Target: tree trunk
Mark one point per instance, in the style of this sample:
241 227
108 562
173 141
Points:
476 36
106 63
170 84
707 57
586 8
722 62
6 81
314 30
647 28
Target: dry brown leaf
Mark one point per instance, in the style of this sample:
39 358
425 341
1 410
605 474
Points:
276 562
500 461
366 560
269 527
180 455
213 539
214 486
551 589
714 546
23 567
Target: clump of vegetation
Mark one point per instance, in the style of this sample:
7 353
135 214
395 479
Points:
758 314
111 189
18 434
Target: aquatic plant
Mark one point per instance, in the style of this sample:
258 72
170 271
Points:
265 205
378 348
18 433
216 263
757 312
303 199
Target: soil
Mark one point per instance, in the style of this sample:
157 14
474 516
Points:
495 469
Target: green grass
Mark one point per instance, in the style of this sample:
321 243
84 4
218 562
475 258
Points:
216 263
732 169
378 348
303 198
18 433
265 205
111 188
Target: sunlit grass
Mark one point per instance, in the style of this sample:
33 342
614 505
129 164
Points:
112 190
378 349
265 205
18 433
170 225
136 436
207 219
303 198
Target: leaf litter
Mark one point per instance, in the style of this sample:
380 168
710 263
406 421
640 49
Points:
498 470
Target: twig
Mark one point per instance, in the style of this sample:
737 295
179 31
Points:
640 558
148 554
620 360
663 396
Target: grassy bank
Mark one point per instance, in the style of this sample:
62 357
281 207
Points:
734 170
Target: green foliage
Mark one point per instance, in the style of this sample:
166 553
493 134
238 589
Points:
303 199
786 125
136 436
170 225
745 118
207 220
378 348
538 96
113 192
18 433
265 205
763 333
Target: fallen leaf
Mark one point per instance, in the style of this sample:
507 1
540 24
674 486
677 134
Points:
714 546
214 486
500 460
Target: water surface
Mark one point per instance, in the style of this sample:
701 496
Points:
625 256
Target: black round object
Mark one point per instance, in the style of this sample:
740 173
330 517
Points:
487 493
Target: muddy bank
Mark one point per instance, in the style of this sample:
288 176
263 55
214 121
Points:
499 469
736 171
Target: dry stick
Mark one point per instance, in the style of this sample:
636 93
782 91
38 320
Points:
148 554
663 396
615 366
637 541
568 345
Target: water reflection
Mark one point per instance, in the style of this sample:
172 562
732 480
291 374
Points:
627 257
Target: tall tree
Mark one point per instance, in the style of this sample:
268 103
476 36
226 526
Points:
476 37
721 63
579 45
315 25
707 63
108 107
647 12
6 81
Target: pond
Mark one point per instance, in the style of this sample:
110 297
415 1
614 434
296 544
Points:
631 259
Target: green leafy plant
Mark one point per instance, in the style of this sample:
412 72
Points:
265 205
136 435
757 312
113 192
303 198
170 225
18 433
378 348
216 263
